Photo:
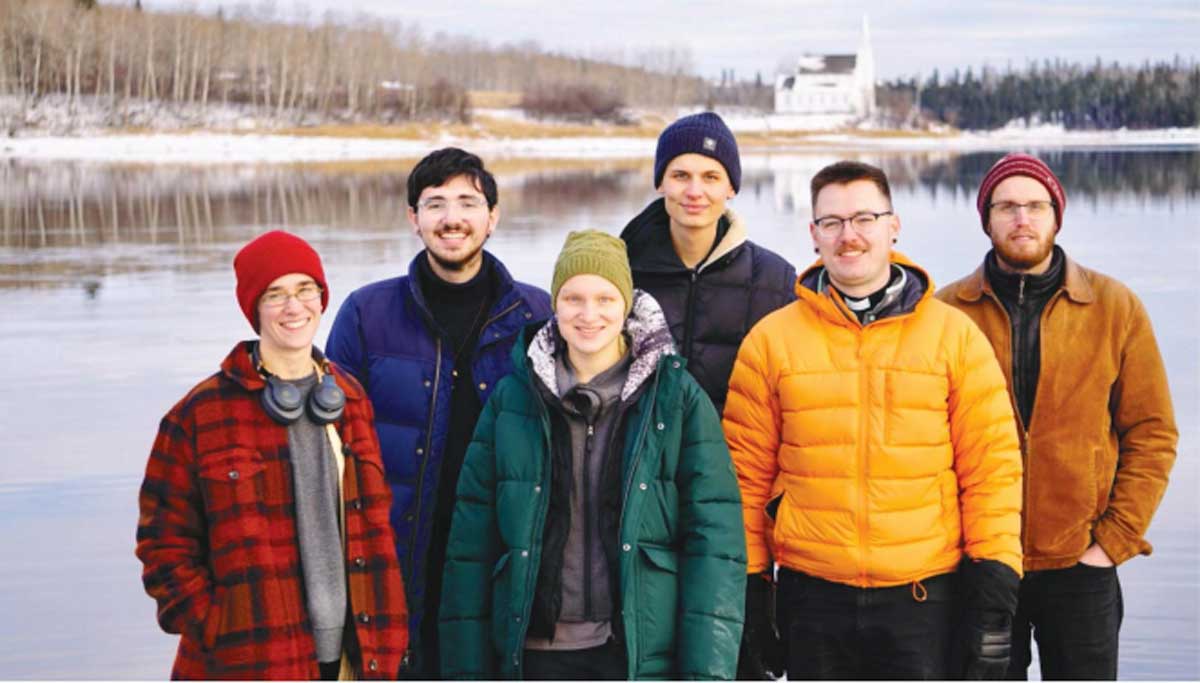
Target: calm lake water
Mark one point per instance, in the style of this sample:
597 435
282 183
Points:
117 293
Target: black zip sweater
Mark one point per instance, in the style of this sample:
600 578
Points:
711 307
1024 297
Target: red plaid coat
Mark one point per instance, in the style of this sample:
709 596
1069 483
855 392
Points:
217 536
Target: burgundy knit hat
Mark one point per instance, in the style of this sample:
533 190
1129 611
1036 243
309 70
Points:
267 257
1026 165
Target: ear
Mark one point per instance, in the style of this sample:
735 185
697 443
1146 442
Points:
493 219
412 220
895 231
812 233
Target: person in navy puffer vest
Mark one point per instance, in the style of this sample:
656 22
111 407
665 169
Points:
429 347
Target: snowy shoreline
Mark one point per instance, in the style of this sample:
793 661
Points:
223 148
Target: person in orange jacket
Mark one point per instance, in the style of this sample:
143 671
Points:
1098 429
880 470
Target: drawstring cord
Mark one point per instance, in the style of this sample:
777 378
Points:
918 591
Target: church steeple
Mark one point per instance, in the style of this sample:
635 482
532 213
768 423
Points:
865 69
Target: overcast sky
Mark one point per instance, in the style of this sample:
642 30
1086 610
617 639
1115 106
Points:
758 35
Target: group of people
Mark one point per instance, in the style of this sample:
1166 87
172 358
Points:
684 461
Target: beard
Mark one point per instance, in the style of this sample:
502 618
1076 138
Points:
459 261
1023 259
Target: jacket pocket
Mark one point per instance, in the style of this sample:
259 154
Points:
211 628
232 484
777 509
657 600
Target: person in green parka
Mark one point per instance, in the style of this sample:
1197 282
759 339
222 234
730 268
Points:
597 532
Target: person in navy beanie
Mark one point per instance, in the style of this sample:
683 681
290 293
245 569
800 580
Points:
705 134
691 252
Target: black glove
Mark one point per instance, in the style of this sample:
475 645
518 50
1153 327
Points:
761 657
988 646
989 591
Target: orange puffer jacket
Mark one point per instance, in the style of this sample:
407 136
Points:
884 452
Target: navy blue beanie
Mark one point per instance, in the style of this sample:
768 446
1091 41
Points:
705 134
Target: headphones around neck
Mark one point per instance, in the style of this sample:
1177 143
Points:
284 403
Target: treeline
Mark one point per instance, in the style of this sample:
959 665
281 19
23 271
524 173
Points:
351 69
1099 96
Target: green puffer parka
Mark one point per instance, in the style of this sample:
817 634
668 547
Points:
682 549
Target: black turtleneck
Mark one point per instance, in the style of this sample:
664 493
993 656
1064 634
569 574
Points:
460 311
1024 296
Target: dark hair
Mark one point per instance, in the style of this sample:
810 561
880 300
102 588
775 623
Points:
846 172
439 167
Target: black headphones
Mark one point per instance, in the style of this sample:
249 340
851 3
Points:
285 404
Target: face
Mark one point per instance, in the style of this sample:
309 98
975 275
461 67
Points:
591 315
1023 242
290 326
453 220
695 188
857 261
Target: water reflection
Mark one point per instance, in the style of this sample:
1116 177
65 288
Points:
80 205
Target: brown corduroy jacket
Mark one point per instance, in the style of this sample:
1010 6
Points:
1101 439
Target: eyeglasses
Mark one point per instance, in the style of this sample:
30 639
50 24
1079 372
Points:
274 298
1040 208
438 206
863 222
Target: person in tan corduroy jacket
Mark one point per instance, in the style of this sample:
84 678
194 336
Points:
1093 411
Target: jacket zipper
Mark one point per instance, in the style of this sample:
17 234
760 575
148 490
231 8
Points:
864 388
412 539
587 526
437 376
689 315
1012 400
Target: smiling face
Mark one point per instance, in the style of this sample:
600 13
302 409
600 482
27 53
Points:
695 188
1024 242
453 221
591 315
288 328
857 262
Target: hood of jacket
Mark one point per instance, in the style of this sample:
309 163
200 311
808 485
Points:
646 329
648 237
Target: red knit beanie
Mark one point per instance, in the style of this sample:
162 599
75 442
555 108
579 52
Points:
269 256
1026 165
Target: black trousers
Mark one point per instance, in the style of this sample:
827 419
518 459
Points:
604 663
1075 614
835 632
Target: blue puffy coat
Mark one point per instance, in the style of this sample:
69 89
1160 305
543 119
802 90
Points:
386 336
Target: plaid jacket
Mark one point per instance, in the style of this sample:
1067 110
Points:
217 536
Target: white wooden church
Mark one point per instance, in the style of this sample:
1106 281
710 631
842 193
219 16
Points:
839 89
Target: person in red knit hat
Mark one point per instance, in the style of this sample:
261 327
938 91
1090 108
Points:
263 527
1098 433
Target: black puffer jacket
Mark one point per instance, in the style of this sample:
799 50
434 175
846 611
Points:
710 308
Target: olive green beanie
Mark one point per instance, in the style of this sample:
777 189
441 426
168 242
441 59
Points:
592 252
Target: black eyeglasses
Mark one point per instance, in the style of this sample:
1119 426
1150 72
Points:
863 222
